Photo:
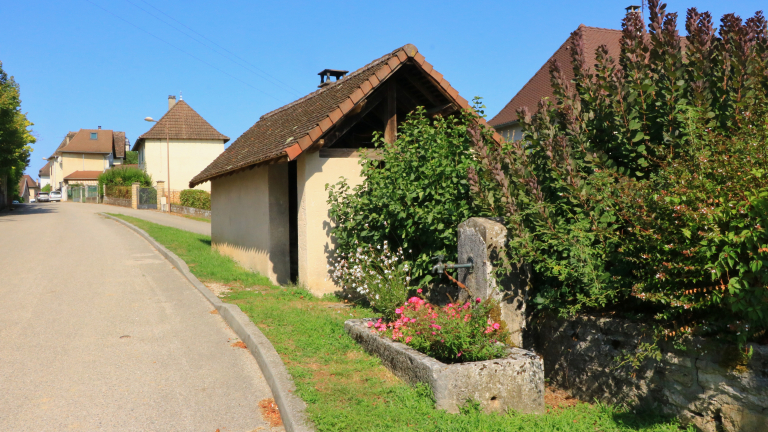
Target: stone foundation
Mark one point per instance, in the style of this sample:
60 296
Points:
702 383
175 208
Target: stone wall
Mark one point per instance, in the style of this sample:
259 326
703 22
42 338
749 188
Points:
701 382
123 202
175 208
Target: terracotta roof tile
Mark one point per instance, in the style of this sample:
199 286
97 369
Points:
539 87
288 131
84 175
27 181
118 144
45 171
183 123
82 142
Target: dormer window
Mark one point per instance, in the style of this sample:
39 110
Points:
94 135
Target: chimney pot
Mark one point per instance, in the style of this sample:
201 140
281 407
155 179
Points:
171 101
631 9
99 127
326 74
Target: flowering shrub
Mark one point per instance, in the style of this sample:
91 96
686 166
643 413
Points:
451 334
378 275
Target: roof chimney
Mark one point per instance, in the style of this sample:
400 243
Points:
326 74
99 127
632 9
171 102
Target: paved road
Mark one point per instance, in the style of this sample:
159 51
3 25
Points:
99 333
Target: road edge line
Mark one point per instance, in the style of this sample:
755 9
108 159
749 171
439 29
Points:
292 408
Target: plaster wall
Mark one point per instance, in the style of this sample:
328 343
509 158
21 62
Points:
249 220
72 162
512 132
314 225
188 158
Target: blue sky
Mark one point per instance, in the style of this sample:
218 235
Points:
110 63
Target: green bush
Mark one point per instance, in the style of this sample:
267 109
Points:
113 191
196 198
46 188
124 176
414 197
131 158
640 186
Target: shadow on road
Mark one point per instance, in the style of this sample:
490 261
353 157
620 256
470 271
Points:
28 209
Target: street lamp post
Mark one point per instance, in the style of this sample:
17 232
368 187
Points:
168 159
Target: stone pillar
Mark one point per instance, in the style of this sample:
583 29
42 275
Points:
161 195
484 240
135 195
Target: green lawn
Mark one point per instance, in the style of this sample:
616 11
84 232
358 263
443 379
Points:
345 388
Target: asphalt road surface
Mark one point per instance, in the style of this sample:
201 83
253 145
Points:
99 333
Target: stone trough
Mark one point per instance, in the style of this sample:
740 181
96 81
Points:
515 382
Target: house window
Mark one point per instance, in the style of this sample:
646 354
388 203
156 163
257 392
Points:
94 135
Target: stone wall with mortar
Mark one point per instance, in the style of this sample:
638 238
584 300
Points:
190 211
701 381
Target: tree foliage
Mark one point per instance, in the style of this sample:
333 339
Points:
124 176
196 198
15 136
413 197
131 158
641 185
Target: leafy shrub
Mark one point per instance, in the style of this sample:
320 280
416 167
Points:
378 275
451 334
124 176
113 191
414 197
196 198
640 187
131 158
46 188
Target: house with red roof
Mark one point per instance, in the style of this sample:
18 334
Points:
268 196
539 86
178 146
28 189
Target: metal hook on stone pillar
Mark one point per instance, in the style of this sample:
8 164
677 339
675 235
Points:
440 267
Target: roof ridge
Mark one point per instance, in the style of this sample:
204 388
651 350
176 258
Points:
600 28
332 85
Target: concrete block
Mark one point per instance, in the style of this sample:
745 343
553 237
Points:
515 382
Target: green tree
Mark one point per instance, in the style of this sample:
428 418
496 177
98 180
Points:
15 137
131 158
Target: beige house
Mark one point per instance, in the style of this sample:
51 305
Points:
45 175
28 189
181 141
539 86
269 203
94 150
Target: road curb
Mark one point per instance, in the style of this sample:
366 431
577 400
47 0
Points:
292 408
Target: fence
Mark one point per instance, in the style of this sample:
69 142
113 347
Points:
83 194
147 198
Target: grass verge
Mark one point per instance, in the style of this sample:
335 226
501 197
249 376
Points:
345 388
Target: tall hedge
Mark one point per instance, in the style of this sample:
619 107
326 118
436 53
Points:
196 198
640 187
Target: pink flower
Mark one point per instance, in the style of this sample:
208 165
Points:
458 355
418 290
433 333
496 326
370 324
478 300
408 339
398 311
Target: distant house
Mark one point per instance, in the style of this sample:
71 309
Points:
28 188
269 203
89 150
45 175
194 144
539 86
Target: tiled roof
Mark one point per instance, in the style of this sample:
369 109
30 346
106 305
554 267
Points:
69 135
84 175
183 123
118 144
290 130
27 181
539 86
45 171
82 142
